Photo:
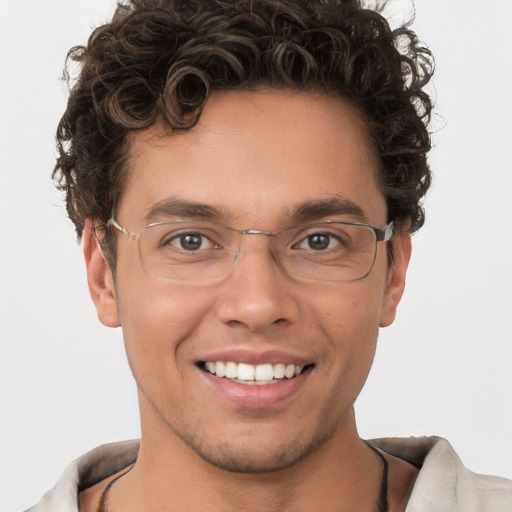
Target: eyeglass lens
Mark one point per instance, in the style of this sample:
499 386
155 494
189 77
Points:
202 252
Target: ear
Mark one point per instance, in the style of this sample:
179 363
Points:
402 247
99 279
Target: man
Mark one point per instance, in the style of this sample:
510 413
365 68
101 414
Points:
245 178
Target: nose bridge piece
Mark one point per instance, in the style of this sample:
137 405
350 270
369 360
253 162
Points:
267 249
256 232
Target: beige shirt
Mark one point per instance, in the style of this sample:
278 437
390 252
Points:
443 483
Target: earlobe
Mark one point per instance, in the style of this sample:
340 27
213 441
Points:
402 247
99 279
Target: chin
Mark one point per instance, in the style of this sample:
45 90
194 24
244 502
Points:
240 460
251 455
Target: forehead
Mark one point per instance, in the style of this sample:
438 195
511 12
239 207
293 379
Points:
256 156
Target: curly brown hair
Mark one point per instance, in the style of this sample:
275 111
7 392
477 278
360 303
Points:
160 60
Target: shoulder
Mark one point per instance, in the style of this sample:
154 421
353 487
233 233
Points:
444 484
85 472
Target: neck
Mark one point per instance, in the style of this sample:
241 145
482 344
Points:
344 474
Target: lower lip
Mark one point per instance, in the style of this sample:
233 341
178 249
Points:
256 396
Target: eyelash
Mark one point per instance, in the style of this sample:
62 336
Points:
180 236
177 240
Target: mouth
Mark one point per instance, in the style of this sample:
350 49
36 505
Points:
254 375
261 380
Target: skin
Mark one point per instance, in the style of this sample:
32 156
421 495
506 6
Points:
256 156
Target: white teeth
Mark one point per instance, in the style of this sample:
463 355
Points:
220 369
245 372
279 370
264 372
231 370
251 374
289 371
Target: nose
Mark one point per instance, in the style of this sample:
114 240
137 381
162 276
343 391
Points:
257 294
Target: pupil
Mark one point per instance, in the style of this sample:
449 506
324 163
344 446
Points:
191 242
318 242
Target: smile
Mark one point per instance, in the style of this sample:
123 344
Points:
261 374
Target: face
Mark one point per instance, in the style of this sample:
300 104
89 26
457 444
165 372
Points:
255 159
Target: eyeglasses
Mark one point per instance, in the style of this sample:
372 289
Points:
197 252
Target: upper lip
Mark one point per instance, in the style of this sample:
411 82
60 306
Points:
252 357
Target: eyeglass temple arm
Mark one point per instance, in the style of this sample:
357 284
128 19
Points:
124 231
386 233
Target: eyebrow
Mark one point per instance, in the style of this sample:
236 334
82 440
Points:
320 208
174 207
315 209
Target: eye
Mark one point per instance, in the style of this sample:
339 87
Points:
319 242
191 242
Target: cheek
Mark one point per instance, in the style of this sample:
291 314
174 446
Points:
349 317
350 308
156 318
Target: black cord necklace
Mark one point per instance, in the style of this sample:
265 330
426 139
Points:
382 503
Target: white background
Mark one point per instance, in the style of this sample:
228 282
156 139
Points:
443 368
